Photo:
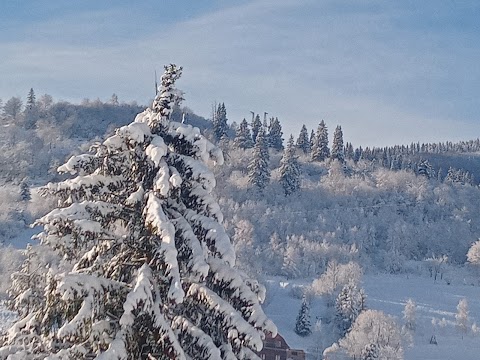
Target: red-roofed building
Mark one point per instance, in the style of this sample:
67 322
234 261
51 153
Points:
276 348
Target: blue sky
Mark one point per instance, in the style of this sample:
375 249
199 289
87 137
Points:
387 71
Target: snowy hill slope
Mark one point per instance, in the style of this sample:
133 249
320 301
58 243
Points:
389 293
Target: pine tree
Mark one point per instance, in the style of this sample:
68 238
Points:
146 269
258 170
312 140
302 325
289 169
337 145
320 150
31 111
220 126
256 127
243 136
349 304
349 152
275 133
114 99
25 190
27 288
303 143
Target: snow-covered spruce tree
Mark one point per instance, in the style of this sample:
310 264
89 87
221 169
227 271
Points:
220 126
275 133
147 268
27 289
258 170
31 111
289 169
320 150
302 325
337 145
312 140
348 305
424 168
243 136
25 190
256 127
303 143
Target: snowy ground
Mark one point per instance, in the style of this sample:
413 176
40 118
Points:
389 294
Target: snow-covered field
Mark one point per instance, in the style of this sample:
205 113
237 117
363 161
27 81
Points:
389 293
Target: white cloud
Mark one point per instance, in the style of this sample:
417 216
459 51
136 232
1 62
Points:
302 61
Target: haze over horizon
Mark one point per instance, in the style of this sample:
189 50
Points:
387 72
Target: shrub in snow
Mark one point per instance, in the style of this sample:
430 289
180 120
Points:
145 268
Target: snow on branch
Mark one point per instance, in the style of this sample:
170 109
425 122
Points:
158 221
232 320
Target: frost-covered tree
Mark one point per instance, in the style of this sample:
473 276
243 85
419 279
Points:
258 170
290 169
220 126
370 352
13 107
303 326
374 328
473 254
27 287
275 134
303 142
320 149
256 127
409 315
461 317
338 151
145 269
243 136
348 305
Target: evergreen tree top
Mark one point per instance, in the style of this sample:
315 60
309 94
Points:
144 267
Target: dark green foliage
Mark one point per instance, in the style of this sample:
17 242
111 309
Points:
290 169
348 305
220 126
303 143
302 325
256 127
258 169
320 150
337 145
243 136
275 133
